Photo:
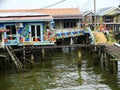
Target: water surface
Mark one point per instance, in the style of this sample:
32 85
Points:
60 71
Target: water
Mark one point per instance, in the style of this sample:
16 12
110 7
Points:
60 71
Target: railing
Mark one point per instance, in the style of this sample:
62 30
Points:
64 33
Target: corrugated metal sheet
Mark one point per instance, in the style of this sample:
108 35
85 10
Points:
26 19
104 11
8 14
67 17
56 11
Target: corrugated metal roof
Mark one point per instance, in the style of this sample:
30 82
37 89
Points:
87 13
26 19
104 11
8 14
67 17
60 11
56 11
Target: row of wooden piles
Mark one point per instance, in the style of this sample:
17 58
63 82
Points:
107 60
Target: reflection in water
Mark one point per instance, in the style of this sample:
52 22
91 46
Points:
60 71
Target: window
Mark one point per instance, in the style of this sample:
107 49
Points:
38 30
109 19
12 29
35 30
69 23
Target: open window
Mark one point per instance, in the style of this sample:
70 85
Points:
35 32
11 34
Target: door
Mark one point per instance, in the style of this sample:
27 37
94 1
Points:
36 32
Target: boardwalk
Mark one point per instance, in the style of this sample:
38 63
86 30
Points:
113 50
51 46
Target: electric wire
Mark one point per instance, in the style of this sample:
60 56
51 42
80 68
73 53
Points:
25 11
86 5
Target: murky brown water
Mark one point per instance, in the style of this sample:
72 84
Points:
60 71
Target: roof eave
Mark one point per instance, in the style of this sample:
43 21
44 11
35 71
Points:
70 16
35 20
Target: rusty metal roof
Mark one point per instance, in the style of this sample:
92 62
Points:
56 11
39 14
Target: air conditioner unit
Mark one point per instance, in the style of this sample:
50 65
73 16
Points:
19 25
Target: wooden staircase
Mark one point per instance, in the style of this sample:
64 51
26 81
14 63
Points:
14 58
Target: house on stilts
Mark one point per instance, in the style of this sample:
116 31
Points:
23 28
39 26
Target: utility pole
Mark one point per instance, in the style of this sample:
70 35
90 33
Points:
94 15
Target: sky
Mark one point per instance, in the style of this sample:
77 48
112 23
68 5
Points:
83 5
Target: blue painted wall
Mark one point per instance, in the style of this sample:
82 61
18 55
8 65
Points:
24 31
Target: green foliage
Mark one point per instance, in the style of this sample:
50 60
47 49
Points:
110 38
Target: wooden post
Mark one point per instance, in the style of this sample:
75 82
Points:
79 53
107 60
71 41
24 52
99 53
104 59
43 53
101 57
96 56
79 57
32 56
113 65
69 49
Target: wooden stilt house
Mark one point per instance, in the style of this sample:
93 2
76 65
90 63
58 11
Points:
24 28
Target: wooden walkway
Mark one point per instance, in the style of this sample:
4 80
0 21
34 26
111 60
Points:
112 50
52 46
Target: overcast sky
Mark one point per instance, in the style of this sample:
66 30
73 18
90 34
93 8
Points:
35 4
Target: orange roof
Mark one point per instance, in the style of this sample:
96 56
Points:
53 12
65 11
